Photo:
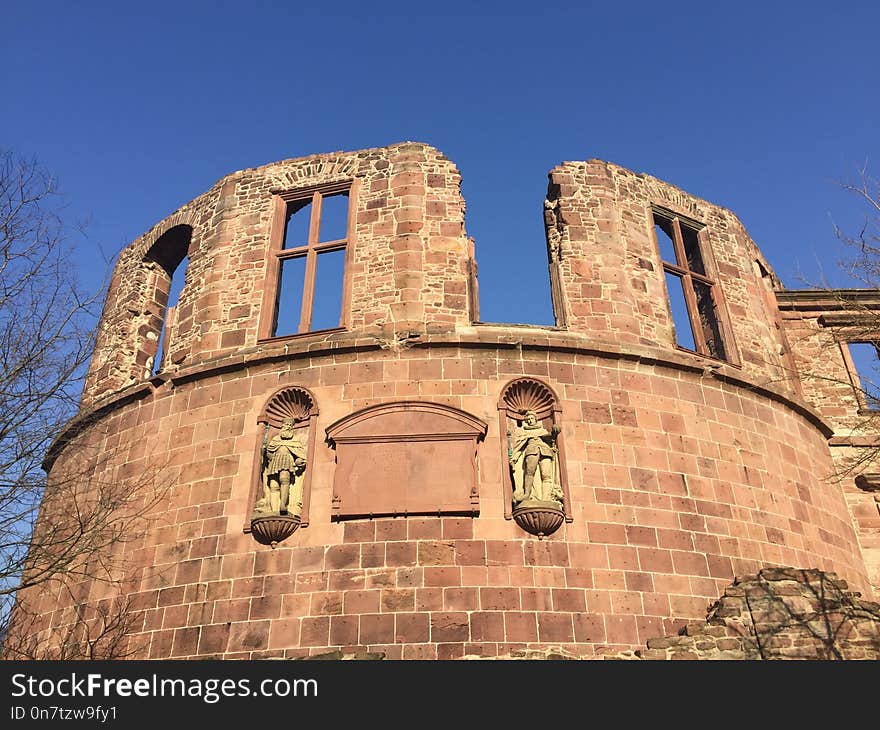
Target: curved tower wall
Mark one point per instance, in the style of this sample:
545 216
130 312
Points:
681 470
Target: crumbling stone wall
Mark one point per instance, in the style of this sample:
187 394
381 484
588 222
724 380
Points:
780 613
818 326
409 269
611 280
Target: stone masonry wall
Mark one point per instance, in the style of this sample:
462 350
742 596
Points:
409 267
612 278
818 344
679 482
683 471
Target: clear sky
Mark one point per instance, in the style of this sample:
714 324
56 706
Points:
762 107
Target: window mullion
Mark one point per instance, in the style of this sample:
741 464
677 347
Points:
694 313
305 321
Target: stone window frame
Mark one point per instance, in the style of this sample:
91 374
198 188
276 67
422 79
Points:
283 201
855 378
687 275
162 261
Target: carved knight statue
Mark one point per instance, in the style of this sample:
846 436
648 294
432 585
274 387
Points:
534 461
284 463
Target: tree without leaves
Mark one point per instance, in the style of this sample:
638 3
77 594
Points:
67 530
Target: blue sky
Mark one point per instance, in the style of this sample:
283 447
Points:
759 107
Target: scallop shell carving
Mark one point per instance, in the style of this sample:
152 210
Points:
526 394
293 403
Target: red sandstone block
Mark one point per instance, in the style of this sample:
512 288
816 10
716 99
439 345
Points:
589 628
550 577
171 596
269 562
487 626
420 651
284 633
326 603
460 599
626 602
429 599
458 528
160 644
203 547
304 559
656 604
442 576
686 563
606 533
247 587
361 602
621 630
655 560
675 539
397 599
384 578
186 641
400 553
410 577
636 581
344 630
588 556
435 552
188 572
720 566
421 528
569 599
391 530
235 610
449 626
412 628
175 616
520 627
342 556
377 628
555 627
499 599
295 605
278 584
359 531
315 631
623 557
578 578
450 651
536 599
265 607
470 552
504 552
214 639
636 535
372 555
474 575
346 580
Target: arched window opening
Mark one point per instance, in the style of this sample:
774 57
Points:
169 259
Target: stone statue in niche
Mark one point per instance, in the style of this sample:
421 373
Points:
534 461
284 464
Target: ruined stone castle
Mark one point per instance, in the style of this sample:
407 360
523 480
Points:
342 456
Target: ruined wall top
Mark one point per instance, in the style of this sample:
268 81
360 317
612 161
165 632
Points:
262 271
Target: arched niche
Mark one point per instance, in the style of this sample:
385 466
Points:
518 398
164 272
298 407
406 458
